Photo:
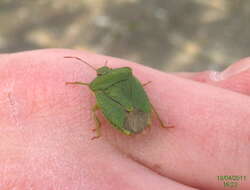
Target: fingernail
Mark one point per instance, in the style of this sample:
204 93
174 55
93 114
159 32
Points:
215 76
234 69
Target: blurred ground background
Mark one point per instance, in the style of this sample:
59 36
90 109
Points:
171 35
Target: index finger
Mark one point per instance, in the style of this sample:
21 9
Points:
211 130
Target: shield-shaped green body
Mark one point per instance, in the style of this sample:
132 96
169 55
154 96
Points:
122 99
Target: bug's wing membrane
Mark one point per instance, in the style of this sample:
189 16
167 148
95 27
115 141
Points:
114 112
136 121
105 81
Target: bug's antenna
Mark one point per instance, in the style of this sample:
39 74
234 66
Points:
78 58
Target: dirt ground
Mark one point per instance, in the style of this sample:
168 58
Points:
171 35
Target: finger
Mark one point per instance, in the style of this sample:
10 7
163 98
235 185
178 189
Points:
209 128
235 78
46 130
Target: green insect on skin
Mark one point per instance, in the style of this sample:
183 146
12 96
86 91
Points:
121 98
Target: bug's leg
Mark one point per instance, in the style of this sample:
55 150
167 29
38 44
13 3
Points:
146 83
158 117
97 122
77 82
148 129
149 123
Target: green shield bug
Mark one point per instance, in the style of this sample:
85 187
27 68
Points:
121 98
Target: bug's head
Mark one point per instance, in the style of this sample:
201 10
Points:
103 70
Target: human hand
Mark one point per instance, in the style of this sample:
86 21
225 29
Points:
46 127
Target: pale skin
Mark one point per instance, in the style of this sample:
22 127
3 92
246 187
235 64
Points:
45 127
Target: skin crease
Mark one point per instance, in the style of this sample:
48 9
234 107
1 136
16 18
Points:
45 127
